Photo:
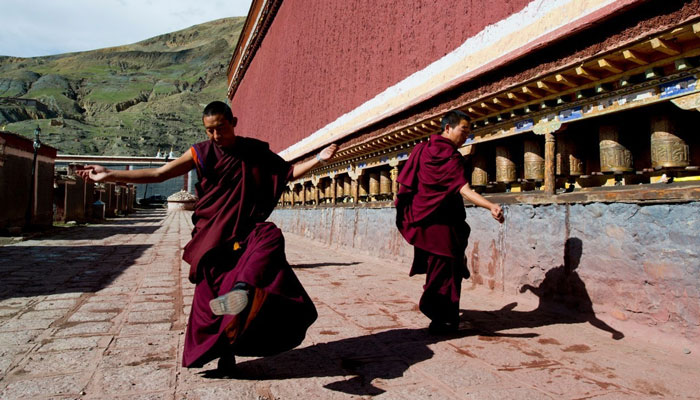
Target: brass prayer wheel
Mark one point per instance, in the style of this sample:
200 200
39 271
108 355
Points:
479 175
347 186
363 185
614 157
373 183
667 149
309 194
394 174
328 188
533 167
505 167
568 160
339 186
384 182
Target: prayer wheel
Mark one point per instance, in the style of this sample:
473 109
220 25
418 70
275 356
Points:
384 182
533 167
614 157
327 188
373 183
505 167
339 186
309 194
347 186
568 160
480 177
363 185
667 149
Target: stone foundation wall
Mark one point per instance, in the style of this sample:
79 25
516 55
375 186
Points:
629 261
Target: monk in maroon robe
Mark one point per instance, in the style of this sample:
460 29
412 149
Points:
430 215
247 299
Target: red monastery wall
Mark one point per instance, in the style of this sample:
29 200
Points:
322 59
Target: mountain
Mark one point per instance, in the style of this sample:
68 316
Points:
127 100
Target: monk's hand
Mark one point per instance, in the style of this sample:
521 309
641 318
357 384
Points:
497 213
328 153
95 173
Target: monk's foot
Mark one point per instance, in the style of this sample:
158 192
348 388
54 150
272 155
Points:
443 328
232 302
226 365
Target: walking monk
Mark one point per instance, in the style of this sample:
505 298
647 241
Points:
247 300
430 215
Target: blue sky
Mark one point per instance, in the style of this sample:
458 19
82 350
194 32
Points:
33 28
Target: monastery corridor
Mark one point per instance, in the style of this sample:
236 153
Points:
99 311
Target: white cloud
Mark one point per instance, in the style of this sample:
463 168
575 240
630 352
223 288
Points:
44 27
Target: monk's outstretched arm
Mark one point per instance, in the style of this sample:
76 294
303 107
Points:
325 155
479 200
177 167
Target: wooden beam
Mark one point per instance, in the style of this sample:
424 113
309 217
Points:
487 107
635 57
532 92
665 46
500 103
565 81
514 97
546 87
472 110
580 71
610 66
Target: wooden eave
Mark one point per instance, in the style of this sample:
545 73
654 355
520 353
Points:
516 109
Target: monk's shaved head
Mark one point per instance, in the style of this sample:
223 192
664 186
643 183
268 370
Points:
218 108
453 118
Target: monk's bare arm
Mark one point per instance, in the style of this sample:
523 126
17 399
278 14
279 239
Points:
177 167
479 200
325 155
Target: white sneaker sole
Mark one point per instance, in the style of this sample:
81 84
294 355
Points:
231 303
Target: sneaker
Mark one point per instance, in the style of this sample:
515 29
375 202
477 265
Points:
231 303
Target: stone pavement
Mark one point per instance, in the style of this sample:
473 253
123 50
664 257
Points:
99 312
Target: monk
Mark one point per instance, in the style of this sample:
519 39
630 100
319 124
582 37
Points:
430 215
247 300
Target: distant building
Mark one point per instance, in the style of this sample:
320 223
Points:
23 200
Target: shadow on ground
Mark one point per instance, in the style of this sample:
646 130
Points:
389 354
324 264
51 269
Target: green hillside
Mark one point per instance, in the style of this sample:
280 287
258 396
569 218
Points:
126 100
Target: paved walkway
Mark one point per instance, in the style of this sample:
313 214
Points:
99 312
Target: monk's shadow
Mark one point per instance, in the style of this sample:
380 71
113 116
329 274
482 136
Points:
323 264
563 299
389 354
384 355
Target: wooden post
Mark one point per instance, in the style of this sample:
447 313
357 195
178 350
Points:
550 146
547 128
333 190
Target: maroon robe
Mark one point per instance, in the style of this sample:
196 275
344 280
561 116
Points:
238 188
430 215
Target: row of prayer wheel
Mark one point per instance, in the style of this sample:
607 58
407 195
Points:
374 185
668 150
